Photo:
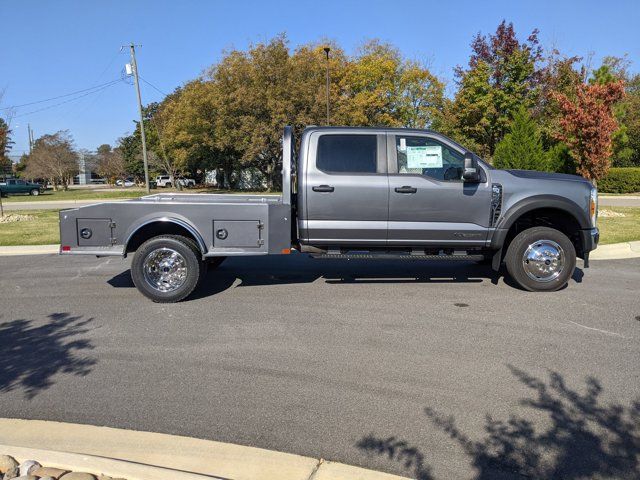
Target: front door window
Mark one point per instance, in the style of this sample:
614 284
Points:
426 156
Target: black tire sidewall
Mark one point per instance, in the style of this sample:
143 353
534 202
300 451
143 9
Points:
186 248
519 244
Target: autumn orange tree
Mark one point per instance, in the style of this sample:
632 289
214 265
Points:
587 124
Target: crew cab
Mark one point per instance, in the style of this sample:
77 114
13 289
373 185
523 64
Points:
354 193
12 186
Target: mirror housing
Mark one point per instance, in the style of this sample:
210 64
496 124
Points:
471 173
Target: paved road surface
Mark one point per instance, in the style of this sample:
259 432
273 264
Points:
436 371
631 201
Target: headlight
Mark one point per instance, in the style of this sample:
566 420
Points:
593 206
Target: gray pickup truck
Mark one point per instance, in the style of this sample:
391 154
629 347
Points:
354 193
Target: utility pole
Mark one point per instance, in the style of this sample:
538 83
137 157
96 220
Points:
134 67
30 132
326 51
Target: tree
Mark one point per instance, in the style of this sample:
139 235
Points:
587 125
559 75
254 93
110 163
631 118
521 148
503 74
188 123
131 145
5 147
380 88
614 69
53 158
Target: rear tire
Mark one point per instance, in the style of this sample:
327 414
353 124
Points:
541 259
167 268
35 192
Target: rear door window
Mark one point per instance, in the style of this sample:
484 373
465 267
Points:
347 153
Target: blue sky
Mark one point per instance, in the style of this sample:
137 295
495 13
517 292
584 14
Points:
53 48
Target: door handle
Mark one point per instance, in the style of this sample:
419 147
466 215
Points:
323 188
406 189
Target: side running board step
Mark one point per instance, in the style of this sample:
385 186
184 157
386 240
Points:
387 256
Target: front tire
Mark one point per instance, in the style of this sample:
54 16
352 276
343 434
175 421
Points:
35 192
541 259
167 268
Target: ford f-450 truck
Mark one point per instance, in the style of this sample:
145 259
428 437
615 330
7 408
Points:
365 193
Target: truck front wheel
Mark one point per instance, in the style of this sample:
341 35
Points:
541 259
167 268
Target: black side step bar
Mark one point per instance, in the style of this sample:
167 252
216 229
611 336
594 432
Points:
395 256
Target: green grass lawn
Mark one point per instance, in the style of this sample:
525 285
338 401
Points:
76 194
43 228
620 229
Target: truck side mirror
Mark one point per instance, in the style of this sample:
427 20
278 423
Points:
471 173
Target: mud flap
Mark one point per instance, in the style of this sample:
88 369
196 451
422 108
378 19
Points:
497 260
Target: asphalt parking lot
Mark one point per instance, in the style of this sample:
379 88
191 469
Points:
428 370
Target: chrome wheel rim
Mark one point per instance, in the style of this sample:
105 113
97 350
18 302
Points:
165 269
543 261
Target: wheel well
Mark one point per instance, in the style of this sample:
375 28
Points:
547 217
154 229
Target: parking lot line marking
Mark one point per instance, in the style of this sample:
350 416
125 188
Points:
599 330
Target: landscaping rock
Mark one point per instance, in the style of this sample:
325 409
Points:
7 463
26 477
46 472
11 473
28 466
77 476
46 478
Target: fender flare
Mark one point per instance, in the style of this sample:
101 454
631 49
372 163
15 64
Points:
176 221
534 203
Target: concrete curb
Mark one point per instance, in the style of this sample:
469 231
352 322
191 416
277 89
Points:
98 465
190 456
29 250
617 251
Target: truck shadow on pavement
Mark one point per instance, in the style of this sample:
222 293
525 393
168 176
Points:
583 437
33 353
301 269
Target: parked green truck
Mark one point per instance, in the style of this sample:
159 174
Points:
13 186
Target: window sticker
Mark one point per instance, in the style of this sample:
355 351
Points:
424 157
403 144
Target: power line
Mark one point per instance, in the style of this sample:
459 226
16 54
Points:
67 101
61 96
152 86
